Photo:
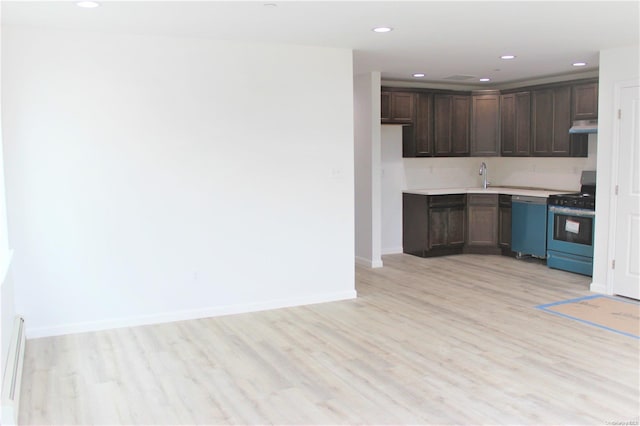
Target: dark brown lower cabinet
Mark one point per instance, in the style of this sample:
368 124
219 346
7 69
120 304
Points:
482 224
504 224
415 224
446 220
433 225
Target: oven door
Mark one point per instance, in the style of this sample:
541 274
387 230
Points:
570 230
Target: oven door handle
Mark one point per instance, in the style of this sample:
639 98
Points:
572 211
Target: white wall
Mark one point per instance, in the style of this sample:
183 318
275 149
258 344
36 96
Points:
367 148
7 302
616 66
393 180
153 179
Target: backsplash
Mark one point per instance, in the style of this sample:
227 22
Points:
551 173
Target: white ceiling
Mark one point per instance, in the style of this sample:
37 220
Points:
440 39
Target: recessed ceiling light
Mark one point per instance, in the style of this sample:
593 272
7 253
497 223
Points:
270 5
418 75
507 57
87 4
485 79
579 64
382 29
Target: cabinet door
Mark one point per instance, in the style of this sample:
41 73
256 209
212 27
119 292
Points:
397 107
442 120
423 125
483 227
409 141
551 120
402 107
455 226
542 121
482 220
438 223
385 106
508 124
585 101
451 125
415 229
460 123
561 122
523 123
504 227
485 122
515 124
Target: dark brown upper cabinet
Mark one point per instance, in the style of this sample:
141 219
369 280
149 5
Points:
518 122
423 125
485 124
451 125
585 101
550 122
417 139
515 124
397 107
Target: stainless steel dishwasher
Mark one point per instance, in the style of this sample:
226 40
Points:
529 226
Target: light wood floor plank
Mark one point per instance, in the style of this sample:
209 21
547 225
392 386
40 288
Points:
450 340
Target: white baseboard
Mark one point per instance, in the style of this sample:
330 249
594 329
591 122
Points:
598 288
368 262
160 318
392 250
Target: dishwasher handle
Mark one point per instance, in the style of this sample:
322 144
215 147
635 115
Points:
528 199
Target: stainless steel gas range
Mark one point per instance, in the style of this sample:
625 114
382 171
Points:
570 228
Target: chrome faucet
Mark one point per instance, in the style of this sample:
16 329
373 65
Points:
483 173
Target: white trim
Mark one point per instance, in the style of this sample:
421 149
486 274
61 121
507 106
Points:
33 333
368 262
392 250
363 262
376 171
598 288
614 174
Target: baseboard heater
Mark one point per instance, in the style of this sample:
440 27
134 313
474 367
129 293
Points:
13 374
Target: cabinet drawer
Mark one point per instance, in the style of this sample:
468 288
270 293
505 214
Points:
446 200
482 199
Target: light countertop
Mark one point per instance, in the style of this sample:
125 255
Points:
507 190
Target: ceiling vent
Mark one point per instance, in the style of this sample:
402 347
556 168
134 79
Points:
458 77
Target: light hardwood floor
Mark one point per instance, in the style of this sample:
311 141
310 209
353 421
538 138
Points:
450 340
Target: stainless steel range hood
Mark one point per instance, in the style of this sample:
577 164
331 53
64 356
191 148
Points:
584 126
